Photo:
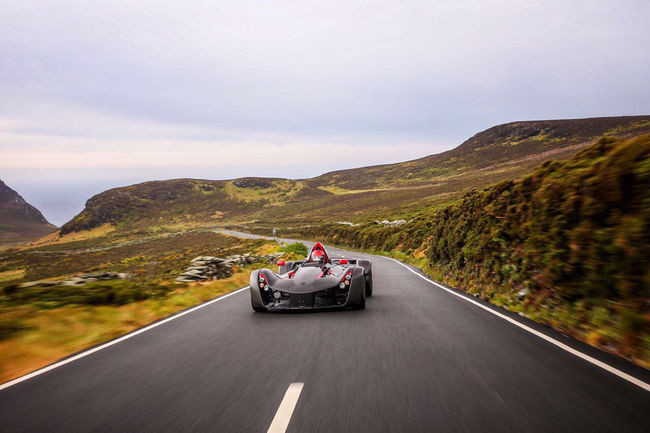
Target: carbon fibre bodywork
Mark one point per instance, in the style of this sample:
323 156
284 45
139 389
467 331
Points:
311 285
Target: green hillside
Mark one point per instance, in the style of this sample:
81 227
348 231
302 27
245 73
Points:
387 191
569 244
501 145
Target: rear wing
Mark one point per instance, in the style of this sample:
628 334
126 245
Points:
343 261
336 261
285 267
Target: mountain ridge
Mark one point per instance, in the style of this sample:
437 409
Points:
19 220
522 136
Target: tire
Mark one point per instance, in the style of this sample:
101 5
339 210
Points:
259 309
362 304
367 271
369 284
366 265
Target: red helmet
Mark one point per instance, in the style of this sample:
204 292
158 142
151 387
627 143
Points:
317 255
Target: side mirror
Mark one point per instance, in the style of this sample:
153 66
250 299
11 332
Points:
281 263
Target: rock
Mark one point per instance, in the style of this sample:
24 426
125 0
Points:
50 283
38 283
348 223
391 223
523 293
74 281
186 280
249 182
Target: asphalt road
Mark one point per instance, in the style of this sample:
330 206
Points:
418 359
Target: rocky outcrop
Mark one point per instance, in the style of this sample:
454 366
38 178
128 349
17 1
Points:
252 182
205 268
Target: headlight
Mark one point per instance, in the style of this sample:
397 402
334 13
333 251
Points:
264 283
345 281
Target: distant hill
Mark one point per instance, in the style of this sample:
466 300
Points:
501 144
500 153
20 221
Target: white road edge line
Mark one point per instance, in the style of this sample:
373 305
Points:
638 382
112 342
287 405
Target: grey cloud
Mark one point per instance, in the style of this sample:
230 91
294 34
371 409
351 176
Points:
421 75
323 67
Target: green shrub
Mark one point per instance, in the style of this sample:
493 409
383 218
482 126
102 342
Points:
297 249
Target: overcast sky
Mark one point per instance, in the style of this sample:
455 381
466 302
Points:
97 94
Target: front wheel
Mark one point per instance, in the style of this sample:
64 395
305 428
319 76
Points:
259 309
362 303
369 284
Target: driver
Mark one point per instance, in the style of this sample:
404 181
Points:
321 258
317 256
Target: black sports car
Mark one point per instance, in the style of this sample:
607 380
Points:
313 283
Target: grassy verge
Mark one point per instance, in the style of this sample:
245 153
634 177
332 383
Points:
609 325
32 337
144 259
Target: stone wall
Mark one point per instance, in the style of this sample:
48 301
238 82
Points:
205 268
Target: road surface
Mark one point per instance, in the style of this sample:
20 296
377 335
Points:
418 359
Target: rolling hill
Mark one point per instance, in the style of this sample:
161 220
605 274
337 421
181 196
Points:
20 221
394 190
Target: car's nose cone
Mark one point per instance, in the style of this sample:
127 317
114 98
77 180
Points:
306 280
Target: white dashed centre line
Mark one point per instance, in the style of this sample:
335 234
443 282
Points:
283 415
